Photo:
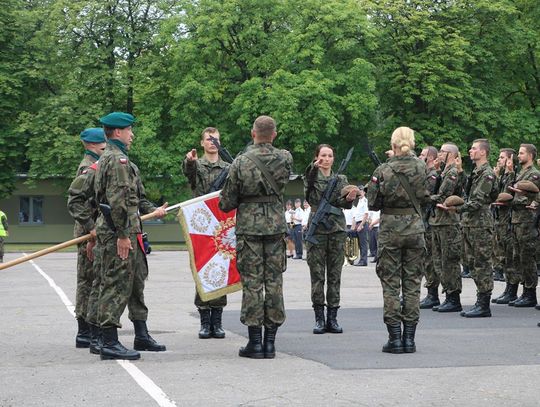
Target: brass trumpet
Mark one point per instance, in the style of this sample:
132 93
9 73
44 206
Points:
352 248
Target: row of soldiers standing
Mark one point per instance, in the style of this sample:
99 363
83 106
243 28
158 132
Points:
499 207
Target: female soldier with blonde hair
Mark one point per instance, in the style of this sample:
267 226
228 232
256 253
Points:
397 189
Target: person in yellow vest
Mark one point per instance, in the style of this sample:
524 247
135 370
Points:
3 234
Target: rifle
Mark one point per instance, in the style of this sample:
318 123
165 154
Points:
106 211
225 156
373 155
325 207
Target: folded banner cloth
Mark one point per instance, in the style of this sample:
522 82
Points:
211 242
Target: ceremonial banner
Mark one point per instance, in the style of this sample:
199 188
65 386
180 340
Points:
210 238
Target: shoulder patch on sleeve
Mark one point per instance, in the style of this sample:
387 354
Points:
94 166
84 172
453 177
433 177
375 180
123 160
490 177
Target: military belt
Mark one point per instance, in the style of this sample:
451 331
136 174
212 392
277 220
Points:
259 199
398 211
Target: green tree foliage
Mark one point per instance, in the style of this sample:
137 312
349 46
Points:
336 71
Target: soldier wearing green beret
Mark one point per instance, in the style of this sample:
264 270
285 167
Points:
123 261
93 140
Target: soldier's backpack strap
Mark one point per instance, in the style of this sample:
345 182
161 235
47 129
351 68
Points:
260 165
407 187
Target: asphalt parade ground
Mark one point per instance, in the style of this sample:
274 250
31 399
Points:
468 362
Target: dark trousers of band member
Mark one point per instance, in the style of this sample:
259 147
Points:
373 237
363 243
297 236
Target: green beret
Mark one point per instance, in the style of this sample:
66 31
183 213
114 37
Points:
93 135
117 120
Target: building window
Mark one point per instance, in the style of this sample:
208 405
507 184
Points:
31 210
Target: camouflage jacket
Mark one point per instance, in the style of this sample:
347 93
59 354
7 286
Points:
246 183
201 173
314 186
476 211
503 213
520 214
87 161
81 204
118 184
449 186
386 192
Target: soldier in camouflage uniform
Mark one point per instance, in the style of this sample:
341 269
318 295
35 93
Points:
477 223
325 259
503 245
202 174
93 140
524 236
447 244
255 187
123 260
429 155
398 189
82 207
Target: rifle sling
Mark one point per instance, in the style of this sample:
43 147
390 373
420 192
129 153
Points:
266 174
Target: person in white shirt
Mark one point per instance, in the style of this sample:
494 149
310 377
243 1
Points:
307 211
288 218
373 226
297 217
360 224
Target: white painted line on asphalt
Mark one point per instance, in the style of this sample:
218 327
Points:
147 384
140 378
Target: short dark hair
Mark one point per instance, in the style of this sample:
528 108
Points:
509 152
264 126
211 130
108 131
483 143
432 152
531 149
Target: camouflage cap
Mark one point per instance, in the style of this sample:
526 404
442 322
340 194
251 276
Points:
527 186
454 200
93 135
117 120
504 197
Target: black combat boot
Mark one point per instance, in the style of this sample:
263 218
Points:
480 309
254 348
451 304
495 299
510 295
113 349
431 300
204 332
82 340
269 340
332 325
96 339
528 299
216 330
537 307
498 275
394 344
320 324
143 340
466 273
409 330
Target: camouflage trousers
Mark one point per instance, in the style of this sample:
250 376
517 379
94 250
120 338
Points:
478 254
400 266
430 273
215 303
122 283
93 298
447 246
85 276
503 253
261 261
525 246
325 261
